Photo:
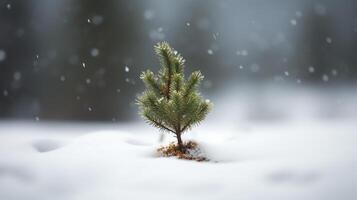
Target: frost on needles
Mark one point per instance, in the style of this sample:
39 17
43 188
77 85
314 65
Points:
171 102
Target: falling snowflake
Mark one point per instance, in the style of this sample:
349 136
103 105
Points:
127 68
17 76
325 77
62 78
149 14
5 93
94 52
293 22
244 52
2 55
328 40
88 81
334 72
83 65
286 73
311 69
210 51
188 24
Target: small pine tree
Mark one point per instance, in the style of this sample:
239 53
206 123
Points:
170 102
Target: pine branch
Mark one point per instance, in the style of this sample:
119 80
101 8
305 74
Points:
162 126
177 82
170 102
193 82
164 53
150 81
201 114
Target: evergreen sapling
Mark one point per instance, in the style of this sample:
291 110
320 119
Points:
171 102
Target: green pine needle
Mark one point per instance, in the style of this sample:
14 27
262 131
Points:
170 102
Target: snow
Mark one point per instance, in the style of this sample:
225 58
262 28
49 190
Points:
311 69
5 93
299 152
149 14
88 81
334 72
17 75
2 55
62 78
260 162
293 22
94 52
242 53
126 68
325 77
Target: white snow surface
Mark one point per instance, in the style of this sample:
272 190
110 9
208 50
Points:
264 143
291 160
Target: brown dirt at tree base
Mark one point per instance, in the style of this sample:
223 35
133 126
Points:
192 151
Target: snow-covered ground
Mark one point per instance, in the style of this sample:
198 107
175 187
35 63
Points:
298 155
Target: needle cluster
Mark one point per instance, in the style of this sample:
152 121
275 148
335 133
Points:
171 102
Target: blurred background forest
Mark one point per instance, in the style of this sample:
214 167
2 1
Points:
81 60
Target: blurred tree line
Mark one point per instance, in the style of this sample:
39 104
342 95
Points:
80 60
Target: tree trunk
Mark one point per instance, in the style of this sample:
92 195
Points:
179 142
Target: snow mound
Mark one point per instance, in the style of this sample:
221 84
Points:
46 145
